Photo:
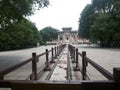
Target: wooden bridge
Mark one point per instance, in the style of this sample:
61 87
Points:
59 72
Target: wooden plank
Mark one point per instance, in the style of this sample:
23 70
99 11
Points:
43 86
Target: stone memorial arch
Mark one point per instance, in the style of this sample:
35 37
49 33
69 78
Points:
67 36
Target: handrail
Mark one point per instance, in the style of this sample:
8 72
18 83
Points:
51 72
41 54
8 83
12 68
102 70
112 84
86 60
16 66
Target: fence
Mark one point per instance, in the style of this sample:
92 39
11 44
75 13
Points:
115 77
35 58
113 82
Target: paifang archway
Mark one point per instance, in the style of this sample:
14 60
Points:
67 36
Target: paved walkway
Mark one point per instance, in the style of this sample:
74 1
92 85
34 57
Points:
61 70
107 58
10 58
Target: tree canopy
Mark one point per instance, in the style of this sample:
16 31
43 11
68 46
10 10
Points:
49 34
16 32
22 35
100 21
12 11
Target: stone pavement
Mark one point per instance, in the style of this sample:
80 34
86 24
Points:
105 57
61 67
60 71
10 58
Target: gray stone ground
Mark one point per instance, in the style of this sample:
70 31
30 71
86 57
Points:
60 69
106 57
9 58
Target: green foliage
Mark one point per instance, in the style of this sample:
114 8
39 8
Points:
5 41
85 22
49 34
15 31
22 35
12 11
104 22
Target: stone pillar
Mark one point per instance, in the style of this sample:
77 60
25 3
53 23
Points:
58 38
63 37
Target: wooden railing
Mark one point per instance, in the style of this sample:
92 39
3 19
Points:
35 58
113 82
85 60
115 77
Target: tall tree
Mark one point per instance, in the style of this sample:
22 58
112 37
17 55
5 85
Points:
85 21
105 22
15 31
49 34
12 11
23 35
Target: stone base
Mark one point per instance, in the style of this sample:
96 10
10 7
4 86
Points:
76 69
47 69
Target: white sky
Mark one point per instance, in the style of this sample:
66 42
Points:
59 14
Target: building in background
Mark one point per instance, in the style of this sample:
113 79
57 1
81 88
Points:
67 36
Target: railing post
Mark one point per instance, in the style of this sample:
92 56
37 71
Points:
47 68
58 49
71 51
84 64
1 77
34 67
52 56
70 48
55 52
116 75
73 55
77 66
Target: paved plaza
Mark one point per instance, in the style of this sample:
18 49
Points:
10 58
106 57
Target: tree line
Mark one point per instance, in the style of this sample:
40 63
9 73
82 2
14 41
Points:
16 32
100 21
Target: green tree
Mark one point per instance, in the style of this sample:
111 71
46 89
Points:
85 22
103 29
49 34
22 35
105 22
16 32
12 11
5 41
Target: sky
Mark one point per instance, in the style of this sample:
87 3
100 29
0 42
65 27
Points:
59 14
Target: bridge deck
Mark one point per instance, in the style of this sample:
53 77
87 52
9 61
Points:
108 58
60 72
